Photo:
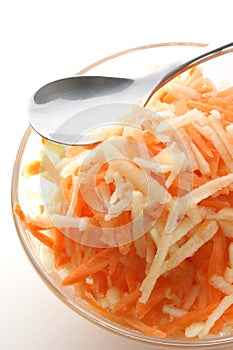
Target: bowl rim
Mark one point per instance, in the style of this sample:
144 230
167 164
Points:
213 342
136 49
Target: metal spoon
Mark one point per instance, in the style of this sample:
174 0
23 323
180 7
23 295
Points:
65 110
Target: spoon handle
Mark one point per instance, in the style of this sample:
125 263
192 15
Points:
207 51
171 70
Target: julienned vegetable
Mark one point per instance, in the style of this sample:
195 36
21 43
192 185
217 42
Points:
142 223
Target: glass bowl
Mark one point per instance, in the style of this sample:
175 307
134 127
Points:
130 63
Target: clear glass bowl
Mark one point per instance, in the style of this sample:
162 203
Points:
130 63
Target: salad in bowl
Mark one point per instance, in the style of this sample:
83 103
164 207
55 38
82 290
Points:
135 232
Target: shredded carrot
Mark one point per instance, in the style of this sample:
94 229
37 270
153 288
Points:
131 278
34 230
214 203
66 184
82 208
165 219
99 286
217 327
155 317
18 211
207 108
118 278
32 168
76 150
46 240
218 254
227 315
126 303
200 142
155 298
140 326
60 256
184 321
226 93
95 264
152 143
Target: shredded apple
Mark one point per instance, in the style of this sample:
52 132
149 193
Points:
141 223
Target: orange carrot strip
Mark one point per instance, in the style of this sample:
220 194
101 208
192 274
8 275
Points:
200 142
44 141
228 315
205 107
226 113
126 303
226 93
18 211
97 263
155 298
100 284
219 254
217 263
154 145
60 256
81 207
214 203
32 168
101 174
217 326
34 230
118 278
46 240
155 317
202 106
76 150
223 103
186 320
142 327
131 278
95 305
214 164
181 107
66 184
124 249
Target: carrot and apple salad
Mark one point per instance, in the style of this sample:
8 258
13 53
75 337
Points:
141 224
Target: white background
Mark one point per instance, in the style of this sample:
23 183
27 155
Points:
41 41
